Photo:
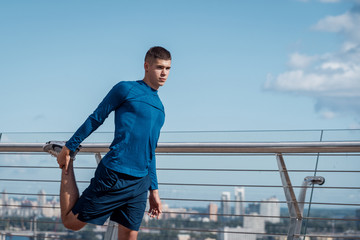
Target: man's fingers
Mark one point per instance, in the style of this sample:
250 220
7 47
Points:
66 165
154 213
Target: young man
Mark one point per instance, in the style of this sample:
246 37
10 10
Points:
126 173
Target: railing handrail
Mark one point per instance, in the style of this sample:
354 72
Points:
211 147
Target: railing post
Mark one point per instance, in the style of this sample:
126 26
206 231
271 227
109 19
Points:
293 206
311 180
98 158
112 231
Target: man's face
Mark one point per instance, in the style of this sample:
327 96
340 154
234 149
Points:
157 72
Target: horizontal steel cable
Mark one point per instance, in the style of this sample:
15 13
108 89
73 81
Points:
206 154
333 236
210 231
38 234
249 186
197 200
42 167
261 216
164 212
256 154
244 233
39 221
248 201
42 237
27 206
33 194
205 214
198 169
200 131
252 170
189 184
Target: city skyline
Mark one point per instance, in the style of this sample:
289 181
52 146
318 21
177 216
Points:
268 211
230 204
27 207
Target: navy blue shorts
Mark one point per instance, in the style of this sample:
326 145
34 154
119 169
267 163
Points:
116 195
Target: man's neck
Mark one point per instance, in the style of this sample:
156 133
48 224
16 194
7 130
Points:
149 84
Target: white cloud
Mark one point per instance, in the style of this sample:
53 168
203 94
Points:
347 24
333 79
298 60
331 76
328 114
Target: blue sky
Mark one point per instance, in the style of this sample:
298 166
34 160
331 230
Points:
237 65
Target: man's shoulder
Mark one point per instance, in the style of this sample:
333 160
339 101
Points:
125 85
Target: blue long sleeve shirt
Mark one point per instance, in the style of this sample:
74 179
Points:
139 116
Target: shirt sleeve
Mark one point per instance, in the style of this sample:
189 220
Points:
112 100
152 173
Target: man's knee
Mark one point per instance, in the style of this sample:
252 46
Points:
71 222
72 227
126 233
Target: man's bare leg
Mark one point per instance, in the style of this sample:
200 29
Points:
69 194
126 233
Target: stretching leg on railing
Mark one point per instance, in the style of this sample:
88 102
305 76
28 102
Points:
69 192
69 196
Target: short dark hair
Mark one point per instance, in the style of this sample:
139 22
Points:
157 52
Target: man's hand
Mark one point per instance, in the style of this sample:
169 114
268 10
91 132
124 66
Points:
155 204
63 159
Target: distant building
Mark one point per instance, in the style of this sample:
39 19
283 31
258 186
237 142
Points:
28 208
41 198
184 237
225 205
48 208
5 197
252 225
228 233
271 208
169 213
253 208
239 200
213 210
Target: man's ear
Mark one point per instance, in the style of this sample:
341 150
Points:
146 66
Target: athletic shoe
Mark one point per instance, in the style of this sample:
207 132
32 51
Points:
54 148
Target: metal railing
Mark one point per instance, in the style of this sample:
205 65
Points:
191 175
